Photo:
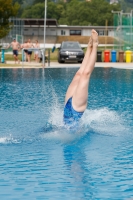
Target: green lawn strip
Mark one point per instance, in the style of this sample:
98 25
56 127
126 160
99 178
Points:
53 56
10 65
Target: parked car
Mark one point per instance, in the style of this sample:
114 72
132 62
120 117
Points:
70 51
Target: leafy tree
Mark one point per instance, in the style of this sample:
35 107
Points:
7 10
126 5
59 10
74 12
35 11
18 1
129 1
95 12
39 1
55 11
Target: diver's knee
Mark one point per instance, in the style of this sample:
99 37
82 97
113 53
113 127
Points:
86 73
78 73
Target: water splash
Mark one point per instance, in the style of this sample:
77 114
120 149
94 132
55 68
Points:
8 140
100 121
104 121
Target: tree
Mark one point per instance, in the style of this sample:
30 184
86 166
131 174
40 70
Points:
35 11
126 5
54 10
18 1
95 12
7 10
74 12
129 1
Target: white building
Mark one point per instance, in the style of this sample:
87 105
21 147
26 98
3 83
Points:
114 1
34 29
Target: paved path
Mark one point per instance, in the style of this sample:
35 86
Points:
10 64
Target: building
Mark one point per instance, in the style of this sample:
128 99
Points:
34 29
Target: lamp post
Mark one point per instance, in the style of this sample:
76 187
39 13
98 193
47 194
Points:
45 18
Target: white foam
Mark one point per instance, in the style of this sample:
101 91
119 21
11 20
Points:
8 140
3 140
100 121
60 132
104 121
63 135
56 116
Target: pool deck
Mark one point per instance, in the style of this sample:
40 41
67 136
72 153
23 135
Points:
10 64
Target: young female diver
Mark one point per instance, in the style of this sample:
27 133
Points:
77 93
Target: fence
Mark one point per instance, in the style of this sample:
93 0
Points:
123 30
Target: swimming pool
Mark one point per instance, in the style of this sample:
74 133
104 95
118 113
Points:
40 159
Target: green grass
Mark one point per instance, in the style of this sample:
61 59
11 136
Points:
9 65
53 56
9 57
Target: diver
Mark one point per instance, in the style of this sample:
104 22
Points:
77 92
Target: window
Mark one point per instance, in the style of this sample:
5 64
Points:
70 45
102 32
63 32
75 32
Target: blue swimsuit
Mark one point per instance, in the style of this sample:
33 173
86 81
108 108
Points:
71 116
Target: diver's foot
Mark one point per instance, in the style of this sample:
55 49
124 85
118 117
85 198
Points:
94 36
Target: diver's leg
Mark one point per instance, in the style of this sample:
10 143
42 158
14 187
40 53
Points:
87 55
80 96
73 85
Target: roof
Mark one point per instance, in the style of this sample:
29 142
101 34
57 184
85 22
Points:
49 22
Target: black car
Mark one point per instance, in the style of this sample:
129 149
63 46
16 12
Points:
70 51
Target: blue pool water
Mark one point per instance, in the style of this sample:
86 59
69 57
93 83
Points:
41 159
